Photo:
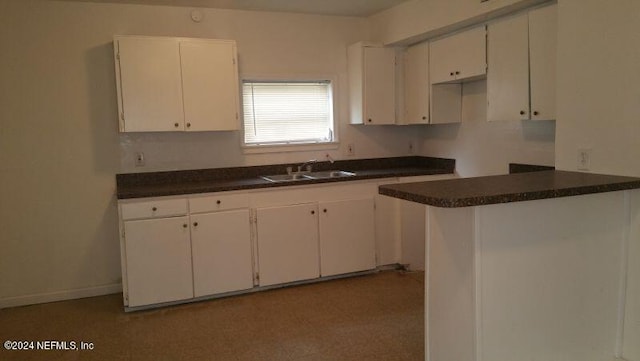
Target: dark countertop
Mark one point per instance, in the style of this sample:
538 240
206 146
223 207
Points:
523 168
155 184
466 192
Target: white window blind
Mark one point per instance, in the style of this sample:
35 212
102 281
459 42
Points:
287 112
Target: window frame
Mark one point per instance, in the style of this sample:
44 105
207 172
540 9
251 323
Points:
292 147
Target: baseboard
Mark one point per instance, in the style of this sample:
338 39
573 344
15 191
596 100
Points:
60 295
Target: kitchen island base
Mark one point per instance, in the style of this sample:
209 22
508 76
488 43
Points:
535 280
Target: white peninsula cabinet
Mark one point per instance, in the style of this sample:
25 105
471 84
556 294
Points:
372 84
521 79
176 84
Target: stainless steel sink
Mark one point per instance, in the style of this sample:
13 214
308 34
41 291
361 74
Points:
285 177
330 174
307 175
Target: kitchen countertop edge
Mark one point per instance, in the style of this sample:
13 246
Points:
478 191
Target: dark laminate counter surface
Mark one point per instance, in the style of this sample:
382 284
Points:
155 184
466 192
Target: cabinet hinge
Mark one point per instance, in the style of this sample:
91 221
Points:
257 277
234 61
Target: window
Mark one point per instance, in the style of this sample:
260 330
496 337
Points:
287 112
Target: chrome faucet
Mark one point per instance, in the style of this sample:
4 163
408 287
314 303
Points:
306 165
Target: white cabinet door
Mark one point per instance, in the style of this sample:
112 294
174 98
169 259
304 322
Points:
379 85
210 85
542 61
288 243
347 236
221 249
417 84
459 57
472 62
372 84
158 257
508 74
150 89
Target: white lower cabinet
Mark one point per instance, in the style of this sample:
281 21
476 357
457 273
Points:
221 249
158 260
347 236
287 243
180 248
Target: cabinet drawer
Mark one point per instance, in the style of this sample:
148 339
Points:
154 208
219 202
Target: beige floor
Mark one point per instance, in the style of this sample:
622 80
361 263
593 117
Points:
374 317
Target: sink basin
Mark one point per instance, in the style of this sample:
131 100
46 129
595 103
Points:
330 174
284 177
310 175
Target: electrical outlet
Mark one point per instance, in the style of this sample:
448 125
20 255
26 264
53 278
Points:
351 150
139 159
584 159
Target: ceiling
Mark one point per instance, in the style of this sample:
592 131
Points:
360 8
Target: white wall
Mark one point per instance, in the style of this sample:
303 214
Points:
598 87
598 84
59 145
486 148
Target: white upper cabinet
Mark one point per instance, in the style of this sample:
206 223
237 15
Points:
209 84
372 84
459 57
521 77
542 61
452 61
149 84
416 84
508 74
176 84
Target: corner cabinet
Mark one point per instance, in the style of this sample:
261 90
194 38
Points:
176 84
521 80
372 84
